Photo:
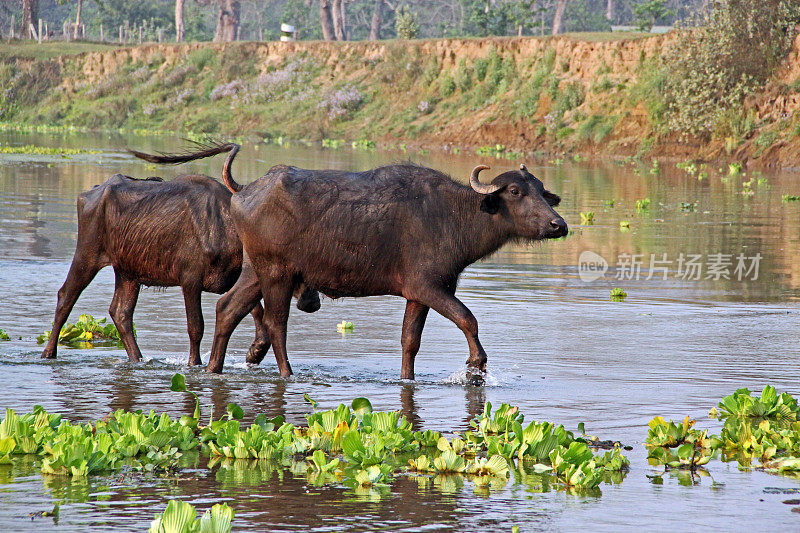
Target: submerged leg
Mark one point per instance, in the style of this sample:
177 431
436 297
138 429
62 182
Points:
413 323
277 295
231 309
446 304
194 322
126 294
81 273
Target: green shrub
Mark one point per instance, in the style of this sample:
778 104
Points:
447 86
463 77
569 98
481 68
729 53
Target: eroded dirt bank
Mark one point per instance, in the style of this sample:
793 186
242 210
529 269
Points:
556 95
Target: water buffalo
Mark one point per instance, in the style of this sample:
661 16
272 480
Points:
176 233
401 230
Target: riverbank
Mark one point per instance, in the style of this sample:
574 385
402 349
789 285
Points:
594 95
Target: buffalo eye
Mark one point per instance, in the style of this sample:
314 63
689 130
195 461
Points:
514 191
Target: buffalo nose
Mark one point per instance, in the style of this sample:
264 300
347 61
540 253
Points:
559 227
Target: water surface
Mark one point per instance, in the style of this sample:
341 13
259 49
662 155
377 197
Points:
558 348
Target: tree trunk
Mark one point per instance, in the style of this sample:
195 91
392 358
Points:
339 28
78 19
377 20
228 21
560 6
326 20
179 29
30 13
610 10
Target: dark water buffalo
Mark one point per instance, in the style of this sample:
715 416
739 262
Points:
401 230
176 233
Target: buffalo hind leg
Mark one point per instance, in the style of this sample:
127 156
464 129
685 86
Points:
277 295
413 323
446 304
126 294
194 321
232 307
81 273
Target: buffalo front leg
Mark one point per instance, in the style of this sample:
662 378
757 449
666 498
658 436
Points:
413 323
446 304
126 294
232 307
194 322
81 273
277 295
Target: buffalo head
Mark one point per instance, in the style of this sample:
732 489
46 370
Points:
524 206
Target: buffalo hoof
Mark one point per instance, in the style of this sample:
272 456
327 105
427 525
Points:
476 379
47 354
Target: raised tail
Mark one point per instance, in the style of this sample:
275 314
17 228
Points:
205 151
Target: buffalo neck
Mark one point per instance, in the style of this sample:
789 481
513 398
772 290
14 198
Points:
480 233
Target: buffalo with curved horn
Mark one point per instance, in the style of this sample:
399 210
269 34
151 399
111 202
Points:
400 230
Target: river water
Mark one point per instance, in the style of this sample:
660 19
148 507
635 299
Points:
558 347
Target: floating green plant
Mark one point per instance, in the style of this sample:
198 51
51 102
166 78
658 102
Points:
180 517
642 204
345 326
624 225
790 198
498 151
688 206
587 219
44 150
4 336
87 332
762 428
618 294
363 144
332 143
734 169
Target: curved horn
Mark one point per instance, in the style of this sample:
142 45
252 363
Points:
477 185
523 167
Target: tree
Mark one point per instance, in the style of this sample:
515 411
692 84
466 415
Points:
30 15
228 20
560 6
377 20
179 28
648 12
326 20
339 20
77 16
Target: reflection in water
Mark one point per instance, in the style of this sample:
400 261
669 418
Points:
557 347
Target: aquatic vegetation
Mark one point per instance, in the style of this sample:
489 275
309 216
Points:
86 333
763 428
791 198
689 166
363 144
688 206
642 204
332 143
655 169
735 169
44 150
498 151
4 336
618 294
180 517
344 326
587 219
608 203
624 225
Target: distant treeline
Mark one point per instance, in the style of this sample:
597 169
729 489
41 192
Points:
203 20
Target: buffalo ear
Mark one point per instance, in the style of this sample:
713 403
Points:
552 199
490 204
